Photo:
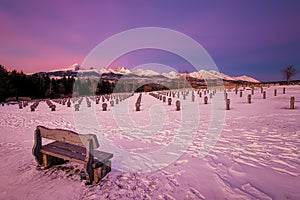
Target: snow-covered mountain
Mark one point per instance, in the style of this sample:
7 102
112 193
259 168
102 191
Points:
75 67
171 75
203 74
120 71
222 76
246 78
232 78
145 72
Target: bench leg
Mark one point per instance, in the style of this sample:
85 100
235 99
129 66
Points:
89 158
96 175
102 171
105 169
89 172
47 161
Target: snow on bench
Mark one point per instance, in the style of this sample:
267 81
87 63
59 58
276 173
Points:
71 146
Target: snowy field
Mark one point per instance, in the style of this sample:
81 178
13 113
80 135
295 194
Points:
256 155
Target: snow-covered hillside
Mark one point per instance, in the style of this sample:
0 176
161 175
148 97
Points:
255 157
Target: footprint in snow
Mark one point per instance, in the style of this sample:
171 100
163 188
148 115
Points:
166 196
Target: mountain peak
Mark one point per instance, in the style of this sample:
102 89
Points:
121 70
75 66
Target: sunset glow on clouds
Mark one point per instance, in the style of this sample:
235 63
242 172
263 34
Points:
243 37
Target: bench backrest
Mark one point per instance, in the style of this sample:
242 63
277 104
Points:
68 136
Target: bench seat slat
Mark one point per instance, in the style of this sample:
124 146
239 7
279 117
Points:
74 153
62 153
70 147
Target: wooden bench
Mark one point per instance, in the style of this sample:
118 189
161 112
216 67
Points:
71 146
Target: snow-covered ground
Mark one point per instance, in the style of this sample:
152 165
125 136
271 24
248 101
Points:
255 157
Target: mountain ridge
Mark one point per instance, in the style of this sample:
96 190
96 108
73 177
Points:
74 69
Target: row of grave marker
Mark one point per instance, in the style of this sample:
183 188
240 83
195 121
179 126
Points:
292 100
161 96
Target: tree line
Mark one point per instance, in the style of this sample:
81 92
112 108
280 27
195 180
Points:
40 86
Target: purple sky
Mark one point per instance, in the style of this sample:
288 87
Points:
256 38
